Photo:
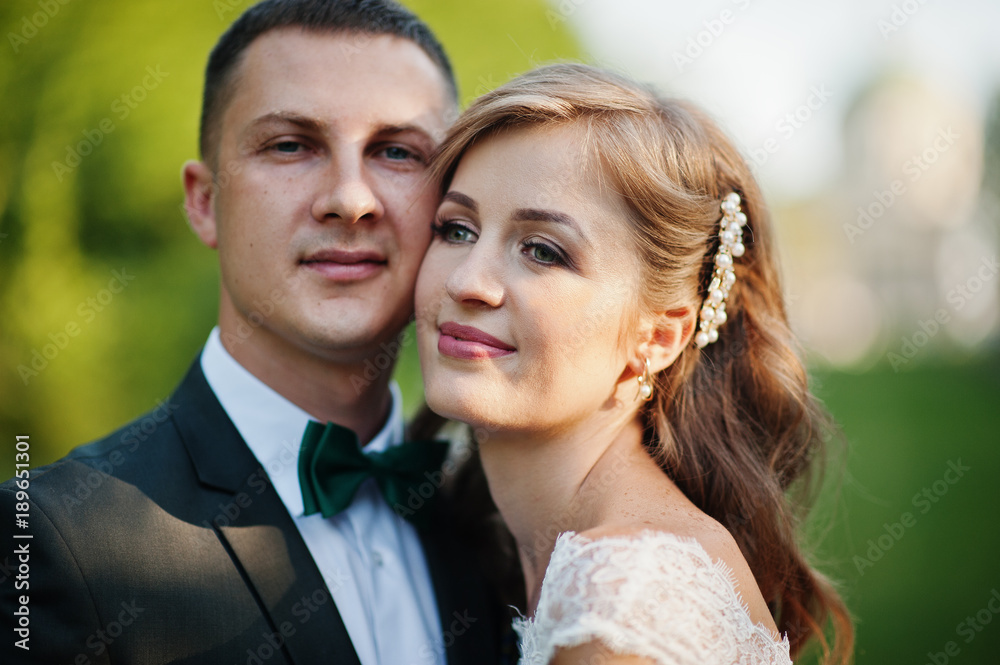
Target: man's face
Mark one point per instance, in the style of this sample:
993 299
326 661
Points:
321 203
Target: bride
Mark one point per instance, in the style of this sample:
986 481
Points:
601 297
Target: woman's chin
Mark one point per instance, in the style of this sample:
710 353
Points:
461 406
451 406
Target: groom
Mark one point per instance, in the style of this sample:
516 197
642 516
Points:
193 542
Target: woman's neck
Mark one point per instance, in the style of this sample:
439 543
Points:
545 485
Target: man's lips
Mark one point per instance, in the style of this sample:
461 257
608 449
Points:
344 265
468 343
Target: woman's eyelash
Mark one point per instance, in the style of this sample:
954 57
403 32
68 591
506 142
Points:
442 227
438 227
558 257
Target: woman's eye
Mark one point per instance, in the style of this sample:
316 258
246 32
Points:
397 153
458 234
454 233
543 253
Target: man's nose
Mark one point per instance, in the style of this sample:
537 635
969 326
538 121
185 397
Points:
348 194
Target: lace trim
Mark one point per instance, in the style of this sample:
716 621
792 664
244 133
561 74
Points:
653 594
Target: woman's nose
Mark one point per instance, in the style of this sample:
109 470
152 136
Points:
478 280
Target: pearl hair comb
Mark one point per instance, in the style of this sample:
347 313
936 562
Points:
713 311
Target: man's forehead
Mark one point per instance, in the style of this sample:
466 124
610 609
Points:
352 59
384 80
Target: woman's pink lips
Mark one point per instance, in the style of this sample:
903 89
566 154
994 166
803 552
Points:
470 343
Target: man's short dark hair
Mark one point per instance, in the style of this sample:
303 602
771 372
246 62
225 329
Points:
371 17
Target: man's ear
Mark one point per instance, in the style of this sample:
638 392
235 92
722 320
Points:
664 337
199 201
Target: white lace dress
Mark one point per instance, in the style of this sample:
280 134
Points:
653 594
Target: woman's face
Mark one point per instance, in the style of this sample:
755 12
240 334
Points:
523 295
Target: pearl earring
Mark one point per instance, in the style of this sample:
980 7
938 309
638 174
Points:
645 383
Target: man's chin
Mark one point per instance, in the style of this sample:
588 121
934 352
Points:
353 342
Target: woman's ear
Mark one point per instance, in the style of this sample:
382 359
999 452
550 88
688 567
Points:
664 337
199 202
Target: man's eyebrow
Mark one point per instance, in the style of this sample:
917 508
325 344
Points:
462 200
305 122
319 127
402 129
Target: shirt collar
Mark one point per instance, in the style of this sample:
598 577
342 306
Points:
272 426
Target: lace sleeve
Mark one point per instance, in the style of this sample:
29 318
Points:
654 595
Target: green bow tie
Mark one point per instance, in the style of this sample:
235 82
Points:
332 468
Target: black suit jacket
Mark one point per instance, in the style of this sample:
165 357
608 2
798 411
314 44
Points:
166 543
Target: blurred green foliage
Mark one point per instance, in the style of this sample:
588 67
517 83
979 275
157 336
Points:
81 83
103 100
911 581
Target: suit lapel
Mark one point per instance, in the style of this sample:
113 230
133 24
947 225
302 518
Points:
288 584
468 618
259 533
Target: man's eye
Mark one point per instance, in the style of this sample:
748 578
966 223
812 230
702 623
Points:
287 146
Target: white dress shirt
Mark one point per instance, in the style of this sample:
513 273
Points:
370 557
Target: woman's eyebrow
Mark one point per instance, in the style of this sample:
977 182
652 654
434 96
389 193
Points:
462 200
551 216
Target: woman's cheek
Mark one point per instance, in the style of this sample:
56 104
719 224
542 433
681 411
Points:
430 282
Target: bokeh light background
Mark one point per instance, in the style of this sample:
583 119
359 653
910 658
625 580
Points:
874 128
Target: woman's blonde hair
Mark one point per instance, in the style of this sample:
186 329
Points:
733 425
